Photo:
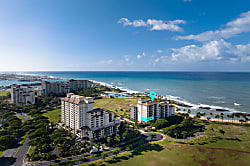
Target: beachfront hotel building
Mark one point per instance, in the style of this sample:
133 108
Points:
55 88
75 85
85 121
62 87
147 109
22 95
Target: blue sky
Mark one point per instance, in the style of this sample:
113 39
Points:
177 35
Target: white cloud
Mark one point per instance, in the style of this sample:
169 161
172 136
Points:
135 23
153 24
157 60
159 51
144 54
139 56
126 58
105 62
232 28
213 50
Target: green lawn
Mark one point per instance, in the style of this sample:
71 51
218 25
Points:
225 151
1 152
236 137
109 104
181 154
54 115
4 93
115 104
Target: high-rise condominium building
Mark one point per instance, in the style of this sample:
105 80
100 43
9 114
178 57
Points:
75 85
22 95
61 87
79 115
145 111
56 88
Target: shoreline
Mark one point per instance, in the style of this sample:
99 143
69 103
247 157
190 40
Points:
181 103
220 120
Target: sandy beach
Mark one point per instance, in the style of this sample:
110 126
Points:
220 120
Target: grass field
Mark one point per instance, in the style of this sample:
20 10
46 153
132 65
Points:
236 137
1 152
4 93
115 104
54 115
109 104
225 151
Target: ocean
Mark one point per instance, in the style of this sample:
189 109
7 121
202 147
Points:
226 90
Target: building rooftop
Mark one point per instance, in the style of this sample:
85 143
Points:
72 98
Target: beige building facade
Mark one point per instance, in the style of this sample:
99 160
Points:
85 121
145 111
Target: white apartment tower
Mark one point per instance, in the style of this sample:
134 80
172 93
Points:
22 95
145 109
79 115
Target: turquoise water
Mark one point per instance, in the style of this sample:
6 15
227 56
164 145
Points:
213 89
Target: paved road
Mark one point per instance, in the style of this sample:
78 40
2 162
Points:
76 157
148 135
23 115
11 152
21 154
24 149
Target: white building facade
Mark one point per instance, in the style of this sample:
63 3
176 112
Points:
144 110
79 115
22 95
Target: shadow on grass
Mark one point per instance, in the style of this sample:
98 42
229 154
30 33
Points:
6 161
136 152
234 139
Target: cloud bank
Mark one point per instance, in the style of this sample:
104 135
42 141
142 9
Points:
152 24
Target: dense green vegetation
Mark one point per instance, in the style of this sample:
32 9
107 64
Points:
105 88
10 130
212 148
187 128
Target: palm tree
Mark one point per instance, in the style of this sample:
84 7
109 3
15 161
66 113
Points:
217 116
222 116
198 114
108 139
228 116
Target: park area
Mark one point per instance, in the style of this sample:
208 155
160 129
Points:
219 144
232 147
120 106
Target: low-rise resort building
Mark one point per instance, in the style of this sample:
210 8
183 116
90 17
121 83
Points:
145 111
85 121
